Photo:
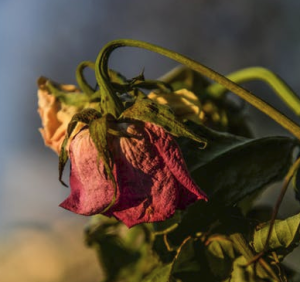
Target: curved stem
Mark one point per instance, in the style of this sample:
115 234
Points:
82 83
258 73
110 103
101 67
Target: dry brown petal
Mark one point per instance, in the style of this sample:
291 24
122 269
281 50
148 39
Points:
55 116
184 103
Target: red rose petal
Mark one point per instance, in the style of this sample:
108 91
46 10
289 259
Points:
151 175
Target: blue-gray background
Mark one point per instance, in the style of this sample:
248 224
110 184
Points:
51 37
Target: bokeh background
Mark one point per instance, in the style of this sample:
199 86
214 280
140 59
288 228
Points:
39 240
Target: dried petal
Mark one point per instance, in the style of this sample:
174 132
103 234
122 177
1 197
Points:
184 103
55 115
151 176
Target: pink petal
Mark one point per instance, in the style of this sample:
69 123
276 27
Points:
91 191
151 175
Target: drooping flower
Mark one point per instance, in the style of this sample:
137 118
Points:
151 178
55 114
124 160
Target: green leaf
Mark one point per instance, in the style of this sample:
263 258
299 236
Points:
161 273
220 255
218 143
114 256
185 260
243 273
285 234
125 254
244 168
146 110
85 116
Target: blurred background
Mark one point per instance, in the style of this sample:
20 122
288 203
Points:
39 240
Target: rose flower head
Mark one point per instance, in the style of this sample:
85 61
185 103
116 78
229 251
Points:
131 167
124 159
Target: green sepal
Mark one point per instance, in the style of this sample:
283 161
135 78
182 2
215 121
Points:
85 116
146 110
77 99
116 77
153 84
140 82
98 129
63 158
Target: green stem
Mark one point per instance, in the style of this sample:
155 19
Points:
101 67
82 83
110 102
258 73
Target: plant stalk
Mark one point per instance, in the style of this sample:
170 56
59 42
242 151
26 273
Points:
102 68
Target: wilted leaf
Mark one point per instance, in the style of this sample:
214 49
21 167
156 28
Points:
285 234
184 262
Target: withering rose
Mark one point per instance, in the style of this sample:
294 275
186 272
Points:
184 103
54 114
152 179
